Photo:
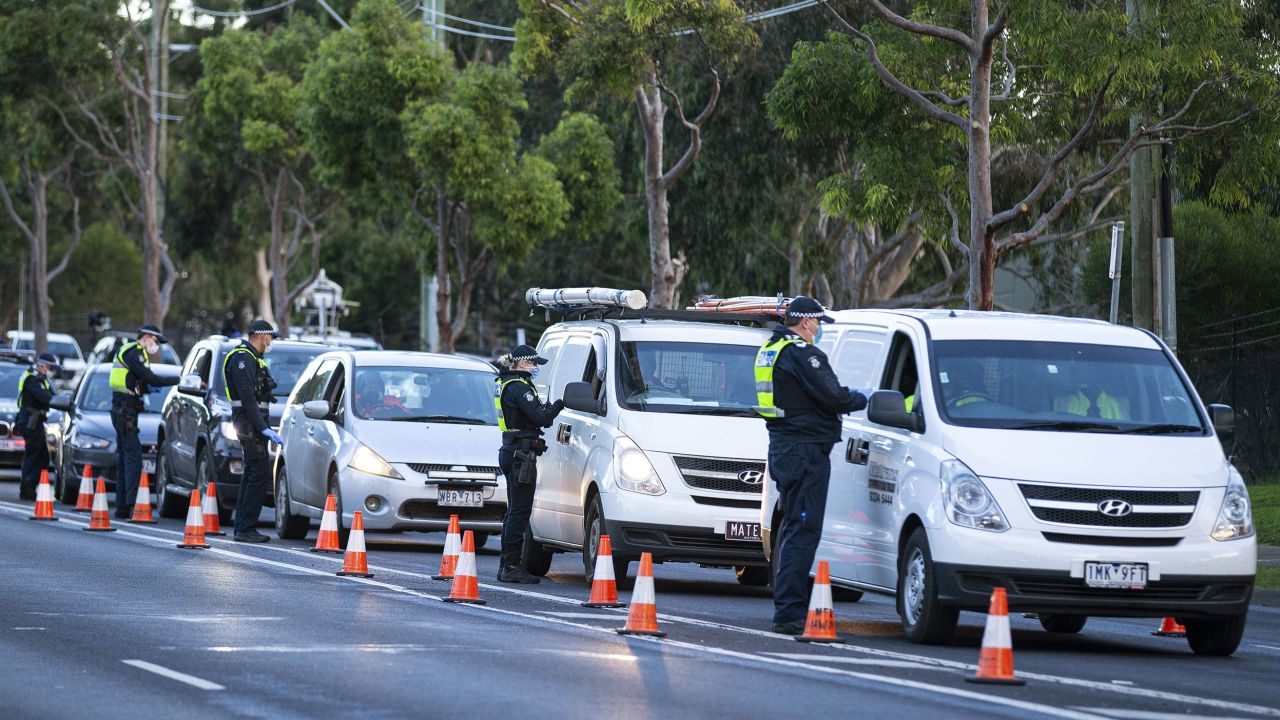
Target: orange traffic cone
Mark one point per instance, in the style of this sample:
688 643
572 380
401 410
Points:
212 523
84 501
820 626
642 619
356 561
995 664
604 586
44 499
466 586
452 546
142 506
327 540
100 519
1170 627
194 535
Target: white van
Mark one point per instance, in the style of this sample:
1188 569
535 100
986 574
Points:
659 445
1068 461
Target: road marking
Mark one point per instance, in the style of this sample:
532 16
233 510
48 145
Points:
174 675
909 657
1148 715
28 628
1121 682
297 649
876 662
1268 647
581 615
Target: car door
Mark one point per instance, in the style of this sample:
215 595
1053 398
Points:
327 439
304 456
188 412
545 519
291 422
573 433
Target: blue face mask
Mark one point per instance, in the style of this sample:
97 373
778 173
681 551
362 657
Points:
817 335
533 371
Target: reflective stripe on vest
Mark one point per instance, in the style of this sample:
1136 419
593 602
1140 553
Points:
22 383
497 398
765 359
119 377
1079 404
262 364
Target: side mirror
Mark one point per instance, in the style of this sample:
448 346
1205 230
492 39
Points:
581 397
61 401
1223 419
317 409
190 385
888 407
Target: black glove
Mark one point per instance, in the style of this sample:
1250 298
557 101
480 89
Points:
557 406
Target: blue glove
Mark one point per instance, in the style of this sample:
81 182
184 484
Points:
866 392
273 436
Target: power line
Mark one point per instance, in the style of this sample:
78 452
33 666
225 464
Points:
460 31
240 13
463 20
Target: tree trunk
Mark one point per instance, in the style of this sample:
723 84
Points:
263 276
40 264
652 113
1142 189
444 228
155 302
278 260
982 294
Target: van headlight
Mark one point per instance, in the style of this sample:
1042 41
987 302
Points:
1235 519
968 501
368 461
228 430
633 470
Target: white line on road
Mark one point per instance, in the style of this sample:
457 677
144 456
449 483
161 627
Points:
174 675
581 615
874 662
1268 647
1148 715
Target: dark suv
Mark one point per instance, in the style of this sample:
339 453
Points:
197 442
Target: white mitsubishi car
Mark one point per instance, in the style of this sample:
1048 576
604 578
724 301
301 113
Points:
407 438
1068 461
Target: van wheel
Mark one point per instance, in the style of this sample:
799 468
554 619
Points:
1218 637
1069 624
924 620
288 525
753 575
168 504
591 543
537 558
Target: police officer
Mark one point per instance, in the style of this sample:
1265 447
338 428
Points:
34 394
131 379
521 417
249 386
801 401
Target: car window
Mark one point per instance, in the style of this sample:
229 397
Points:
857 356
94 394
571 367
901 372
428 394
287 364
316 384
200 364
10 374
551 351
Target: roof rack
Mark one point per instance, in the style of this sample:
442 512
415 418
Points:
610 312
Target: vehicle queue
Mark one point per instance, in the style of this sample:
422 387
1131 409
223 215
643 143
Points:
930 455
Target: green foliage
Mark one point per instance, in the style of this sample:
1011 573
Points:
582 153
79 289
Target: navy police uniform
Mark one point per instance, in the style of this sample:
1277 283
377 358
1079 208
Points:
34 394
249 388
802 401
131 379
521 417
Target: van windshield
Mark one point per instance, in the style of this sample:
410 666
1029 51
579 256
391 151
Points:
688 378
1066 387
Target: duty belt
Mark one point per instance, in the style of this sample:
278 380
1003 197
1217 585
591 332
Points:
261 406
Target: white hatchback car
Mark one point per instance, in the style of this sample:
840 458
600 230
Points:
407 438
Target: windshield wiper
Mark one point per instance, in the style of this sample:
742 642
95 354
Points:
1081 425
456 419
723 411
1163 429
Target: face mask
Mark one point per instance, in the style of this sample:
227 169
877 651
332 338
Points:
267 349
817 335
533 371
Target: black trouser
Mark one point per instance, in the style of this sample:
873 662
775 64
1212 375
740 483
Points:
124 418
519 502
35 457
253 483
802 472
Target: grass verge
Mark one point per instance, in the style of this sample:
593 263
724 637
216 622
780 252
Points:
1266 512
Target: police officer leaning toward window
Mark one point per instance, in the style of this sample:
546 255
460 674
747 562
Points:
249 386
801 401
521 417
34 394
131 379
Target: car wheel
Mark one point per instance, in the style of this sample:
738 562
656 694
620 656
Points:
343 531
204 471
66 492
595 525
168 503
924 619
537 558
753 575
1069 624
479 539
288 525
1218 637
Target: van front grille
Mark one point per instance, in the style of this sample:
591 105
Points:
1130 508
741 476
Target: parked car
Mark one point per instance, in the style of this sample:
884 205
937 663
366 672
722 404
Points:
87 437
12 445
407 438
1067 461
61 345
104 351
197 441
338 338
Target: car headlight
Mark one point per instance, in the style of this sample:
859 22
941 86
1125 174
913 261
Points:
967 500
368 461
1235 518
633 470
84 441
229 430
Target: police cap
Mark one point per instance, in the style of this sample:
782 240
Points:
806 307
153 331
262 327
49 359
526 352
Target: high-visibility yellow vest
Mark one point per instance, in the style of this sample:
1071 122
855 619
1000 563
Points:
765 360
120 372
22 383
1079 404
497 397
227 385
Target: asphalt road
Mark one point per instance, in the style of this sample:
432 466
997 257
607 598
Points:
124 624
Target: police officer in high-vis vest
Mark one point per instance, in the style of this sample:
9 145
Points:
801 400
131 379
521 417
249 388
34 394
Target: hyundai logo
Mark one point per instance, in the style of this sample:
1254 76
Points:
751 477
1114 508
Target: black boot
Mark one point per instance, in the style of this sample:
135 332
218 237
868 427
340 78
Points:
511 570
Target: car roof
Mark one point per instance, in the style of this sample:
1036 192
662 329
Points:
159 368
672 330
979 325
409 358
28 334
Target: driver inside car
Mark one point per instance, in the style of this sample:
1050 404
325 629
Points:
372 400
963 383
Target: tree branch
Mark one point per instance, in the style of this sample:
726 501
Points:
75 241
695 127
13 212
994 31
1010 74
557 7
942 33
954 234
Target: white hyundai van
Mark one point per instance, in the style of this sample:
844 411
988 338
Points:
659 445
1068 461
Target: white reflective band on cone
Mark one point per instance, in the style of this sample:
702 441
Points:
452 544
329 522
355 543
643 593
44 493
466 565
997 634
99 502
604 567
820 598
195 516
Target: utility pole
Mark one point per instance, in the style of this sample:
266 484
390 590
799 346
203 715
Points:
158 81
428 283
1142 194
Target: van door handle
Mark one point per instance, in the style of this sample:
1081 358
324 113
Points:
857 451
562 434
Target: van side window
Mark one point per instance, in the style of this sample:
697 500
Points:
571 367
550 351
857 357
901 372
